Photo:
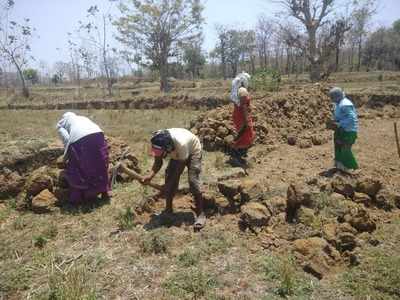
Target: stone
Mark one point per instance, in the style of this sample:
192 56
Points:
38 181
340 186
305 216
229 188
329 232
318 140
336 197
44 202
222 131
317 254
387 200
346 227
11 183
368 186
251 190
304 144
346 241
362 221
292 140
276 205
254 214
362 198
293 201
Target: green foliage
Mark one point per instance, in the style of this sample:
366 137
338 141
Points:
39 241
266 80
191 283
156 242
126 219
189 257
56 79
31 75
50 232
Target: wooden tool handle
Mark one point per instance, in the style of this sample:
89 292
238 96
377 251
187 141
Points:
396 133
139 178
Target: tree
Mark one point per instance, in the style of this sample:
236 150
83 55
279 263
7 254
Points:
194 59
96 29
31 75
264 31
158 28
15 41
313 15
361 18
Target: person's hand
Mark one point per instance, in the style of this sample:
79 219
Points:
331 124
147 179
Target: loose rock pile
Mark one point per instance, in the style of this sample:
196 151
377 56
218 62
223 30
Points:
293 117
326 220
37 178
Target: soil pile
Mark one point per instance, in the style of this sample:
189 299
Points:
296 117
36 174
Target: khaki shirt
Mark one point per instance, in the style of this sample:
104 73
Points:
186 144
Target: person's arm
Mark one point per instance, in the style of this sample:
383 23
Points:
64 135
244 111
157 165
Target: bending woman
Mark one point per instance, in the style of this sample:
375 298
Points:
86 154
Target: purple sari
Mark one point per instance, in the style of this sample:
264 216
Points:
87 167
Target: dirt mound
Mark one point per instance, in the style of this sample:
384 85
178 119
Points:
27 174
295 117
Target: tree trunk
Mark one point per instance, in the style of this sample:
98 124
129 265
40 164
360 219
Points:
359 54
315 63
164 77
25 91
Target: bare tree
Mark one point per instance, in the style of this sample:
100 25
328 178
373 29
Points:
15 41
264 32
312 14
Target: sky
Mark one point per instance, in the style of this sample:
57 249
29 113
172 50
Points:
53 19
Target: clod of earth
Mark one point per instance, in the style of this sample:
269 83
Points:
44 202
254 214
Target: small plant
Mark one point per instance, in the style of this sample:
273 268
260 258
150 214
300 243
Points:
191 283
39 241
75 284
189 258
155 243
19 223
267 80
126 219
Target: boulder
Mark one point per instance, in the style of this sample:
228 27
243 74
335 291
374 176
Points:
292 140
254 214
11 183
38 181
362 198
276 205
361 220
345 241
368 186
317 254
341 186
44 202
387 199
251 190
229 188
329 232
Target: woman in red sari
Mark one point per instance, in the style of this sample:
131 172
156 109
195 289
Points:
242 120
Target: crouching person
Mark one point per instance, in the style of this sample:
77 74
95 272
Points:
184 150
86 156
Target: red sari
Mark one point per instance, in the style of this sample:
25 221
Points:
247 138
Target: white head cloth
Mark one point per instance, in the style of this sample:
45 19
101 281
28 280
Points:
240 80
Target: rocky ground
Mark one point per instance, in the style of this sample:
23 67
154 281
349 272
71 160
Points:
284 227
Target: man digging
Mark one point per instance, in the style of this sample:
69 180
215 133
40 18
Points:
184 150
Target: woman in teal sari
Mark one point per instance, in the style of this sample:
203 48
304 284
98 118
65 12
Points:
345 125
